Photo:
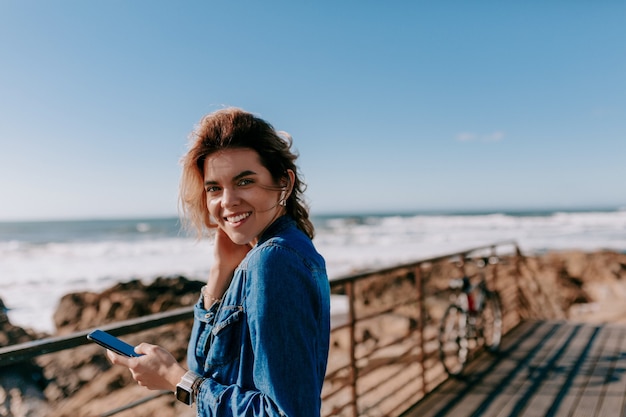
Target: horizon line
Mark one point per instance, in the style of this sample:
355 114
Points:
362 213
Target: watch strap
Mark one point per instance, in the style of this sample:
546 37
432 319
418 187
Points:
187 388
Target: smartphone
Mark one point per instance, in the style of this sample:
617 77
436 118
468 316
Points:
111 342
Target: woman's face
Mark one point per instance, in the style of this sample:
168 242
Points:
241 195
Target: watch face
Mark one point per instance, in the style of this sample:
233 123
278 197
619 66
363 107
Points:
183 395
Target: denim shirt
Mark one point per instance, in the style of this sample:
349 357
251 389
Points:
264 349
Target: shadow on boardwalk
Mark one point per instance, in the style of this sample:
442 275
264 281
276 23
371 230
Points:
545 368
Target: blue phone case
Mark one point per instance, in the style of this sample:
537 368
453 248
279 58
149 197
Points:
111 342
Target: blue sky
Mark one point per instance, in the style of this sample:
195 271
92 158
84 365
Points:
393 106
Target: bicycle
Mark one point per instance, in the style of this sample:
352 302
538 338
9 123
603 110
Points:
474 319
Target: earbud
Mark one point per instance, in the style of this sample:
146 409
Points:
282 200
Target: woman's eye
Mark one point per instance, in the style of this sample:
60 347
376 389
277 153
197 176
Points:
212 189
245 181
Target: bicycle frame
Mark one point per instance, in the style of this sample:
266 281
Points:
471 321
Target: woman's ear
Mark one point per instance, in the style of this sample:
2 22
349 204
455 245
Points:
290 177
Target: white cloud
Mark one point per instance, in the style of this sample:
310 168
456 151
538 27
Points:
494 137
465 137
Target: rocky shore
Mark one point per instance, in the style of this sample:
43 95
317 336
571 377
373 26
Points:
81 382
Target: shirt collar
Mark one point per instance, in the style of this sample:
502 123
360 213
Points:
280 224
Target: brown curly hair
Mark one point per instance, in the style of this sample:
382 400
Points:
235 128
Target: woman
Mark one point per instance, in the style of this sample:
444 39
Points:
259 344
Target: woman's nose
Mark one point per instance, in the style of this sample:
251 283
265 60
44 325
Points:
229 197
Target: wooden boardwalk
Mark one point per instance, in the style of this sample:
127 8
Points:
544 369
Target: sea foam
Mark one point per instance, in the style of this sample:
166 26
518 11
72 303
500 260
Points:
40 262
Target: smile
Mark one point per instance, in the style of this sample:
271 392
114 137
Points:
237 218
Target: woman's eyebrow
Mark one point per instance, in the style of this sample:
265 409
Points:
237 177
243 174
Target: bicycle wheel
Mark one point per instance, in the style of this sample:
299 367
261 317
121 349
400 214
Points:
491 317
453 340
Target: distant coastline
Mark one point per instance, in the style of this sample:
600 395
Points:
324 215
515 212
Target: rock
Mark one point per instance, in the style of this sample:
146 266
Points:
21 385
84 310
62 381
81 381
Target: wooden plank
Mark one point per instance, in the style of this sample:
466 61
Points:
614 398
576 363
512 371
558 369
574 386
597 366
524 385
518 347
452 390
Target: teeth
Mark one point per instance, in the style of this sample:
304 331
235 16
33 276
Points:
237 218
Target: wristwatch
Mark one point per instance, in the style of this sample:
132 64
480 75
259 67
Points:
187 388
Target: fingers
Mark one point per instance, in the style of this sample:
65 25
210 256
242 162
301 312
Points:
116 359
155 369
227 253
145 348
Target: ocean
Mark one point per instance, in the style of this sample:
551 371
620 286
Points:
42 261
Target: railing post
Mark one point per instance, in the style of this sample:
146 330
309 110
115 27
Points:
520 293
353 369
420 322
494 253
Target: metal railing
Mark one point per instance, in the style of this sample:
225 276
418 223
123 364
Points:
383 354
13 354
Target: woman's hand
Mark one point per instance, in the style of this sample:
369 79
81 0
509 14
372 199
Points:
227 253
227 256
157 369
